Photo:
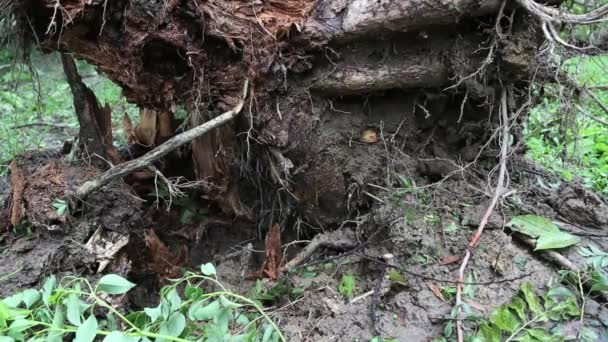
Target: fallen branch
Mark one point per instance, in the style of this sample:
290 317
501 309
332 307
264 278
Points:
162 150
484 220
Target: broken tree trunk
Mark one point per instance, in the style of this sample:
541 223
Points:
95 137
341 91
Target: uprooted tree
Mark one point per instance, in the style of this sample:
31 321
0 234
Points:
335 91
328 82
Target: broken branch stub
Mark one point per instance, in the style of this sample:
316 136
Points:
157 153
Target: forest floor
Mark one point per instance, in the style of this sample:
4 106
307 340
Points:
389 271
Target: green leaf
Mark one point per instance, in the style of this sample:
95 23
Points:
489 333
561 291
14 300
208 269
117 336
396 277
548 234
539 334
222 319
139 319
308 274
73 310
347 286
86 331
114 284
173 299
519 306
21 324
504 319
6 339
588 334
55 335
174 325
448 330
598 282
47 289
30 297
269 334
228 304
533 301
555 240
153 313
203 313
193 292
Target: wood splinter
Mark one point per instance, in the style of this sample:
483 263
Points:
162 150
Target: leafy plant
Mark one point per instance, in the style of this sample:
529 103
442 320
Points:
594 256
523 317
61 207
279 290
544 230
37 107
75 309
347 286
570 138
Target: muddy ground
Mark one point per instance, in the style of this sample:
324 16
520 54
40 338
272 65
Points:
398 201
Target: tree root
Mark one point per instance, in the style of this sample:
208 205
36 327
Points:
339 239
162 150
497 193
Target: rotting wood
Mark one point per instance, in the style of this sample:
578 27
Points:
160 151
17 208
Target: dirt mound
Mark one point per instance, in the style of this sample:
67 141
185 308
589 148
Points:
50 240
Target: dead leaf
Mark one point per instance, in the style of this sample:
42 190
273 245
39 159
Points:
273 257
449 260
161 260
436 291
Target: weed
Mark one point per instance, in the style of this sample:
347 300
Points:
396 277
61 207
347 286
72 308
280 290
529 317
594 256
566 139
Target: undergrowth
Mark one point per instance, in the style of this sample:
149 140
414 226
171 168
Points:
570 137
77 310
556 315
36 108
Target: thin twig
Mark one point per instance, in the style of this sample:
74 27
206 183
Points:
497 193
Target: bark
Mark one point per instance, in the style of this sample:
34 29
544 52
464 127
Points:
347 20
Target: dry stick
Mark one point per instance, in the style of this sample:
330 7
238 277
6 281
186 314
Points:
160 151
497 193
